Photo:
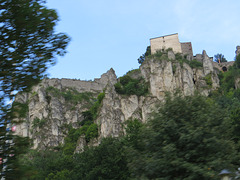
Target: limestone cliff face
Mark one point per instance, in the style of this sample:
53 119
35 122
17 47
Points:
169 76
50 111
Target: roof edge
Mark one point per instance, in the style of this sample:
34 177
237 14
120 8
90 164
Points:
164 36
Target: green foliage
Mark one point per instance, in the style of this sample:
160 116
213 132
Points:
133 72
38 165
186 139
106 161
191 137
237 62
38 122
132 129
142 58
178 56
24 59
92 132
70 95
174 68
130 86
88 127
158 54
95 107
33 94
70 140
60 175
88 118
29 45
219 58
19 110
195 64
227 79
208 79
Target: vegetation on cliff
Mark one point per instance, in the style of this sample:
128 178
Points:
189 137
130 86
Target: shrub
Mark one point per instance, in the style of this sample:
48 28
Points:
237 62
208 79
38 122
92 132
20 109
178 56
195 64
174 67
142 58
70 95
130 86
132 72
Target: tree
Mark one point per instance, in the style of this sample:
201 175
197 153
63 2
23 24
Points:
28 46
187 139
219 58
142 58
106 161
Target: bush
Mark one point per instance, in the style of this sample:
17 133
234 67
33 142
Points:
92 132
130 86
237 62
70 95
195 64
208 79
19 109
227 79
133 72
38 122
142 58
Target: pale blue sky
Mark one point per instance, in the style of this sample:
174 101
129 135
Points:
114 33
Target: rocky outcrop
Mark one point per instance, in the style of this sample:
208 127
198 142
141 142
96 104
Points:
168 76
237 83
49 112
52 109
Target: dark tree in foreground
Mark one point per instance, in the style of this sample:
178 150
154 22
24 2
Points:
187 139
28 46
219 58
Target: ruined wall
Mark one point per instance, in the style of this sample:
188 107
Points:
187 48
81 86
165 42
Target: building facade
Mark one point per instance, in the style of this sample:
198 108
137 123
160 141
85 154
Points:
170 41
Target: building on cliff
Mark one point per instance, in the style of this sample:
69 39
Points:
171 41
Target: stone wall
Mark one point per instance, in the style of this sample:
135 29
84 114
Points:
165 42
97 85
187 48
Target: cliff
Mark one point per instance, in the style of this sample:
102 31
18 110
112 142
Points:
56 104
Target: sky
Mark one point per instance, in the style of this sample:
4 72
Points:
114 33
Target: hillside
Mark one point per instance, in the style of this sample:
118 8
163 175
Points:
67 115
57 103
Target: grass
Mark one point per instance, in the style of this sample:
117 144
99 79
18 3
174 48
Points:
71 95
